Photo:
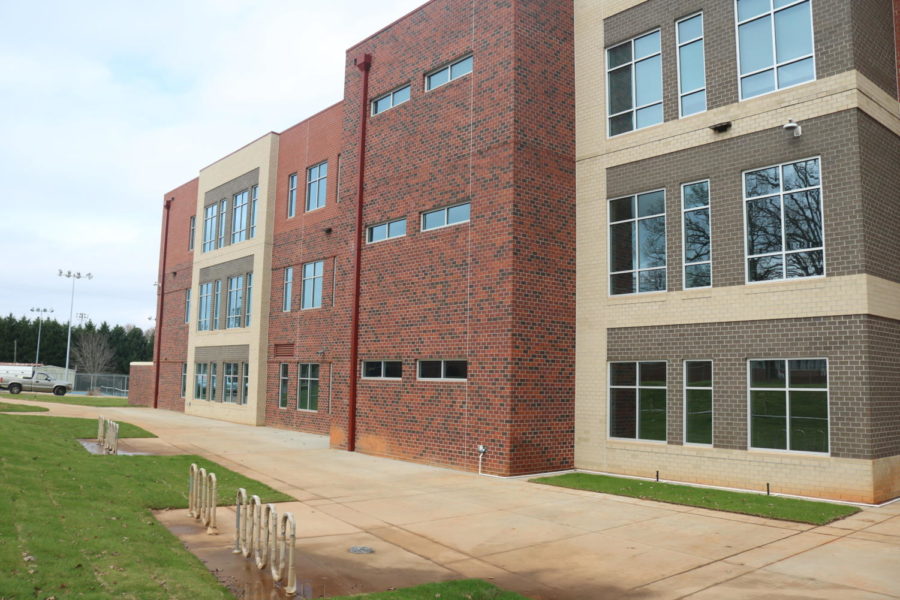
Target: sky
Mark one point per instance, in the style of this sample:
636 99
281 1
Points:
105 105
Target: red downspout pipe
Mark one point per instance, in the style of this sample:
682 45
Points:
160 290
364 64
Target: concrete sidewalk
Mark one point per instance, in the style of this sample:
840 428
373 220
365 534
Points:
431 524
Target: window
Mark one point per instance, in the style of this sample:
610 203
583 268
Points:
292 195
239 223
316 186
183 379
212 382
217 296
637 243
231 375
203 312
192 226
698 401
386 231
444 369
382 369
249 299
634 84
200 381
312 284
454 70
789 404
390 100
235 305
697 241
288 289
637 400
444 217
223 221
210 219
308 390
775 45
254 203
283 385
784 222
691 66
245 393
187 305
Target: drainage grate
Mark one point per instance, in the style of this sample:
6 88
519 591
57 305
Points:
361 550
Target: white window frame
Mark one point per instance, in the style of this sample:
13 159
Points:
240 218
684 409
382 377
321 195
292 196
210 227
775 63
187 305
637 387
449 68
234 305
636 219
634 109
287 290
371 228
784 252
233 396
223 222
184 373
204 307
310 379
684 211
392 94
787 389
248 300
201 372
254 203
317 302
443 377
245 382
192 226
446 211
679 43
216 304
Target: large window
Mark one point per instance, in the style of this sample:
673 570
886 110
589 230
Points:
454 70
634 84
283 385
698 402
288 289
382 369
187 305
235 305
292 195
453 370
444 217
386 231
210 220
316 186
637 400
240 223
789 404
696 231
784 222
312 284
637 246
390 100
775 45
231 375
308 388
200 381
204 308
691 66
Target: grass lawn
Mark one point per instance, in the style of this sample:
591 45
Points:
74 524
469 589
772 507
5 407
70 399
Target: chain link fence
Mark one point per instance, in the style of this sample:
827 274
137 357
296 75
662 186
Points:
101 384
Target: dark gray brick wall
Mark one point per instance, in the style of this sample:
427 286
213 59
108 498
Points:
880 163
864 384
874 53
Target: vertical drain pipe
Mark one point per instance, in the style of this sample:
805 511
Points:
364 64
160 289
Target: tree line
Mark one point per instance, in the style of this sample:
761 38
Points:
123 345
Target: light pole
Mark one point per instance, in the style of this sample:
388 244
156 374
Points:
40 312
73 277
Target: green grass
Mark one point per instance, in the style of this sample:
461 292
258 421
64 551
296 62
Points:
70 399
469 589
772 507
74 524
5 407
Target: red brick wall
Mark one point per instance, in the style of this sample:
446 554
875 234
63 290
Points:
140 385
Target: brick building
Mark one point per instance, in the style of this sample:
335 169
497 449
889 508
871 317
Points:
738 177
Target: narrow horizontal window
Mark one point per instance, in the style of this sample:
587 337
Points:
382 369
447 74
444 217
454 370
390 100
386 231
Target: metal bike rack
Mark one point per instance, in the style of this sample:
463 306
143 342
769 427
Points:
203 497
107 435
263 536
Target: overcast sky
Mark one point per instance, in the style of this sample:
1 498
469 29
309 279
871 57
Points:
105 105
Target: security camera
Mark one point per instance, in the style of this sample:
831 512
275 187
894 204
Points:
792 125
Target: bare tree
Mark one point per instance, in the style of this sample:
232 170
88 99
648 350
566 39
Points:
92 353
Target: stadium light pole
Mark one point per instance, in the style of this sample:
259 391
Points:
73 276
40 312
